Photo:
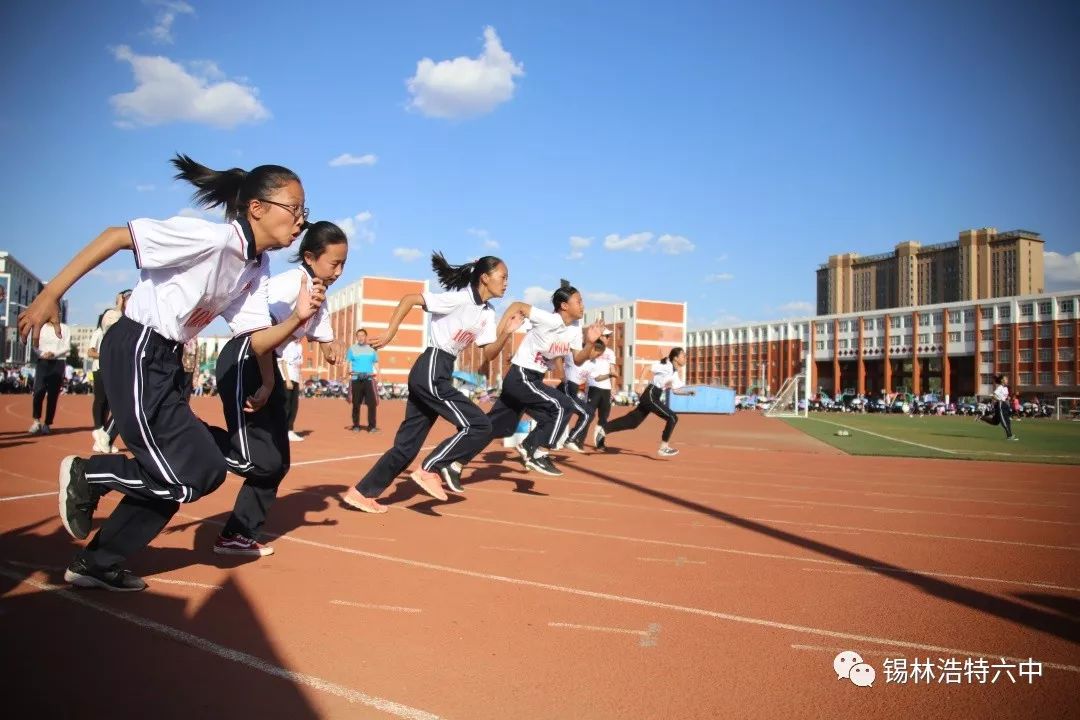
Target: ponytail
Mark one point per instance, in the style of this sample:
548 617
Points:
232 189
317 237
456 277
563 294
675 352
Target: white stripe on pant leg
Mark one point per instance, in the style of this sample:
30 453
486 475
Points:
144 426
558 418
659 408
465 426
241 420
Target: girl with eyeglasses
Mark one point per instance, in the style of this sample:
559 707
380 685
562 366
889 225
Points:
192 271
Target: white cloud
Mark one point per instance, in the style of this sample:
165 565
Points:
161 32
721 258
675 244
350 159
407 254
602 297
796 308
357 227
577 247
536 295
719 277
165 92
636 242
145 188
464 86
489 242
1062 272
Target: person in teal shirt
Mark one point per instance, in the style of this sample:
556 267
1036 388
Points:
364 365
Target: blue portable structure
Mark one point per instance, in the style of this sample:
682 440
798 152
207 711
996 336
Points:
708 399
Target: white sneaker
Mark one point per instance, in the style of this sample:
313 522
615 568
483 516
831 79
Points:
575 447
35 428
293 437
101 441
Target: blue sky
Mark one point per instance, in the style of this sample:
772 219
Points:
708 152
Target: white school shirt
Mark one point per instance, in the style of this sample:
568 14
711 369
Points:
282 292
574 373
58 346
193 271
293 357
665 377
601 365
95 342
1001 393
548 338
458 319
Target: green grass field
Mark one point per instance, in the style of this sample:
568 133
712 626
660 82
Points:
958 438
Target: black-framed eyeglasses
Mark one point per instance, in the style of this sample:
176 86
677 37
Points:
298 211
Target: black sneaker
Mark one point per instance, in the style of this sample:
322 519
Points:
114 578
451 475
77 499
542 464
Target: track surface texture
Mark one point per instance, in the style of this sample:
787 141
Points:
719 583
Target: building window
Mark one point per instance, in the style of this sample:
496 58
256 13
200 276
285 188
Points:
1044 355
868 342
1027 310
986 335
987 313
1065 306
1046 330
881 323
924 318
969 336
1004 311
868 325
1045 308
830 345
1004 333
1025 378
819 345
907 321
894 322
1063 377
1045 378
880 341
1065 330
1027 332
907 339
937 338
894 340
843 344
954 316
924 338
969 316
986 356
1025 356
954 337
1004 356
1065 354
937 318
822 329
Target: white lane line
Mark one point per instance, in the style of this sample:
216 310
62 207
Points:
390 608
627 600
61 568
589 495
347 457
680 561
880 653
870 570
886 437
745 553
370 537
915 534
513 549
649 637
28 497
226 653
27 477
582 517
789 507
831 532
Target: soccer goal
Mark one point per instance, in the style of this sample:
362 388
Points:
791 400
1067 408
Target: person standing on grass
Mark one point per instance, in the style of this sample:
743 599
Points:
49 376
460 317
1004 407
257 442
192 271
665 376
364 366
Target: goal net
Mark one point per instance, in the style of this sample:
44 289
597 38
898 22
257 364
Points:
1067 408
791 400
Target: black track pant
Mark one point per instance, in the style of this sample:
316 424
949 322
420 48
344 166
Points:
101 400
292 404
600 398
1005 415
431 395
583 410
175 456
255 445
524 391
650 402
364 392
48 378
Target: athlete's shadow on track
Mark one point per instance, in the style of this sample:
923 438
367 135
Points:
83 635
1051 623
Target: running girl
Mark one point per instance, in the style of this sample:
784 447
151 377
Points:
256 444
459 318
665 376
192 271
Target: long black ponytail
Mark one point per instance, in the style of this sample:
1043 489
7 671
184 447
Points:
675 352
456 277
233 188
